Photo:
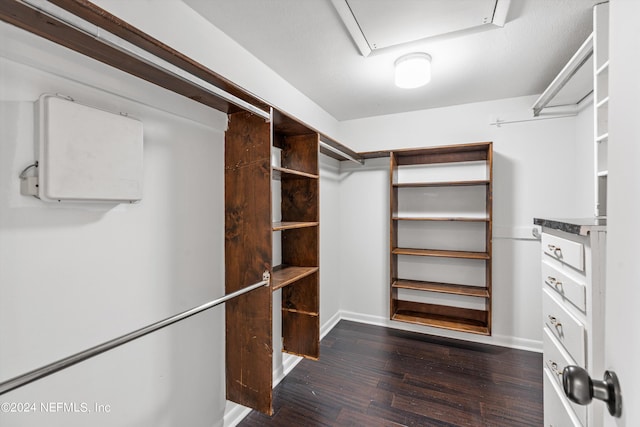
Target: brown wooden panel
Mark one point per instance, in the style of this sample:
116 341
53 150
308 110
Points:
299 200
300 247
300 334
247 255
423 159
283 125
300 152
303 295
443 149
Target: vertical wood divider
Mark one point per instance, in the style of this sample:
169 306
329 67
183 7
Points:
248 253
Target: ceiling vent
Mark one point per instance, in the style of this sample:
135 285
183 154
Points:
379 24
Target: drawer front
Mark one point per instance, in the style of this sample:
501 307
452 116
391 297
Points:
565 251
555 360
565 327
557 412
567 288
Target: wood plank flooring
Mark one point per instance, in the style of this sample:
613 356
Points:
374 376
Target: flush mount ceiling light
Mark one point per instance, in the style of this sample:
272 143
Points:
413 70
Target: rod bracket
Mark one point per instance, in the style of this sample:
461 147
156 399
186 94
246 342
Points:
266 276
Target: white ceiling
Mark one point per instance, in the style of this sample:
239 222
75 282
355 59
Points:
307 43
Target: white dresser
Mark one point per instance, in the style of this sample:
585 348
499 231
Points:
573 275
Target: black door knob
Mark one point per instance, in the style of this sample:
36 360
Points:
581 389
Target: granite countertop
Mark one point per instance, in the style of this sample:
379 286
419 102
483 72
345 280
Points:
580 226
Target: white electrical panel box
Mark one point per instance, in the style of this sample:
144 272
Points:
87 154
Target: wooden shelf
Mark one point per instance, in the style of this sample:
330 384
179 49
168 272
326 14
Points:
446 288
478 151
280 173
288 225
442 184
282 276
437 218
441 316
307 313
441 253
439 321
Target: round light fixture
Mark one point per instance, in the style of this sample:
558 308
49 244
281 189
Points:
413 70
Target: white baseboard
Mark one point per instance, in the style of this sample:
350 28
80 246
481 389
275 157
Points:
330 324
234 413
499 340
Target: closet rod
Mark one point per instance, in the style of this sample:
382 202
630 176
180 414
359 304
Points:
134 51
61 364
340 153
570 69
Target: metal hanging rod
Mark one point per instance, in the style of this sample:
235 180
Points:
570 69
61 364
499 122
134 51
341 153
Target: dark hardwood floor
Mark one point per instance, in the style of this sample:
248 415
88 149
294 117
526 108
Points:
374 376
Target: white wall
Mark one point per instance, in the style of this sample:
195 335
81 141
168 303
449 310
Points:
74 276
535 173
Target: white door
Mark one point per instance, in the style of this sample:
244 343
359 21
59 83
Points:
622 320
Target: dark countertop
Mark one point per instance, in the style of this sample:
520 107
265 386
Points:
579 226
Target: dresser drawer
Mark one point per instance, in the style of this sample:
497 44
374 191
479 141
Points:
557 412
565 327
555 360
565 251
567 288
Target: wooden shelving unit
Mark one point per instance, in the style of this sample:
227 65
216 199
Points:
415 299
249 241
298 230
